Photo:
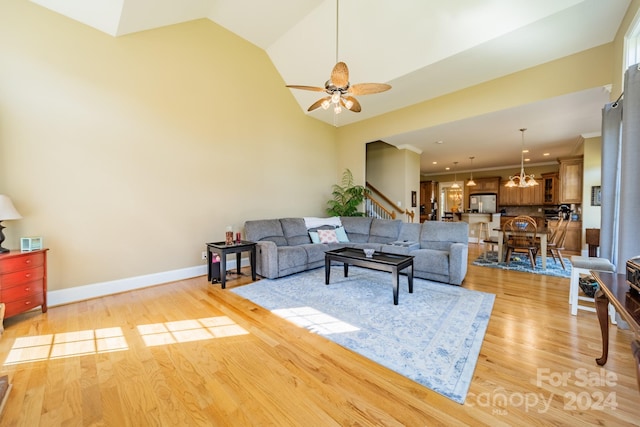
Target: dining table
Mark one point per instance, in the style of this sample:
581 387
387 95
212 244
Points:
540 232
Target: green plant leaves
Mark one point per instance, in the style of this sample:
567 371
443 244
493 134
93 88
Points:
346 197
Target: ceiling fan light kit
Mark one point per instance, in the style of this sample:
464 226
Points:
339 89
523 179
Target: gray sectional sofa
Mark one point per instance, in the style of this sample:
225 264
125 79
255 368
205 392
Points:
284 245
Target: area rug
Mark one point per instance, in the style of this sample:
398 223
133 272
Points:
432 336
521 263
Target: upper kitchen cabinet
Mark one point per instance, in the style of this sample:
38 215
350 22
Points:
549 188
485 185
570 180
521 196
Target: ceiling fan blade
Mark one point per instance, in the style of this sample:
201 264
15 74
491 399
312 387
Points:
340 75
368 88
312 88
318 103
356 108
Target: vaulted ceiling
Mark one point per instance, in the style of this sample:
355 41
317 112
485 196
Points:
423 48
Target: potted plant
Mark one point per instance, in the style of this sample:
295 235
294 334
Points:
346 197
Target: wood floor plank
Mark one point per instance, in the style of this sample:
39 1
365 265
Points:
190 353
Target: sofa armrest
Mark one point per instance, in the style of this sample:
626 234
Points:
267 259
458 257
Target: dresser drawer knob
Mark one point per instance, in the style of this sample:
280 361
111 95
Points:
27 302
28 261
27 275
27 289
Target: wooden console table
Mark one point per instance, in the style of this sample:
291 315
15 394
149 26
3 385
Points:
614 289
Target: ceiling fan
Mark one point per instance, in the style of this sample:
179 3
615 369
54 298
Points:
341 92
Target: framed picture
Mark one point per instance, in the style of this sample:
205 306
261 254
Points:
414 199
596 196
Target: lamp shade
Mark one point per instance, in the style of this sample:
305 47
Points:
7 210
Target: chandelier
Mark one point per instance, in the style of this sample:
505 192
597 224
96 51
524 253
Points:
471 182
523 179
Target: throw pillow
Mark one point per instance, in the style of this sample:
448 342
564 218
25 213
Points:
342 235
328 236
314 237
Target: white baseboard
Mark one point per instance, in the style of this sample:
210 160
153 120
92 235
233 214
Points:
81 293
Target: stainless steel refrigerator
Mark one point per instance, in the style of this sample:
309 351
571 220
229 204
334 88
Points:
483 203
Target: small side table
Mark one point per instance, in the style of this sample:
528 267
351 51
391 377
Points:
222 249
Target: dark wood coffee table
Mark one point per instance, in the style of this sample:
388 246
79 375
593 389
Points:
380 261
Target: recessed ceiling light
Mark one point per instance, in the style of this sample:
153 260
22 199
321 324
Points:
525 151
526 160
447 168
435 163
545 154
440 142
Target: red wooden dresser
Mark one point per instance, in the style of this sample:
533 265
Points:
23 281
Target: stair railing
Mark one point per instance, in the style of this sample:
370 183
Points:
375 207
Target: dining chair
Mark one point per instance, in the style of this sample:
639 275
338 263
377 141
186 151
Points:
521 237
555 246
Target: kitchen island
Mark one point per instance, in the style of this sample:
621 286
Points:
493 219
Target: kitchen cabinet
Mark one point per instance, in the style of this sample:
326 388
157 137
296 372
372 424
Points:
485 185
570 180
426 192
549 188
517 196
428 199
573 240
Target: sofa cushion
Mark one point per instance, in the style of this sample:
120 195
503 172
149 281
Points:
357 228
431 260
295 231
315 254
410 231
342 235
384 230
265 230
291 259
314 237
440 234
328 236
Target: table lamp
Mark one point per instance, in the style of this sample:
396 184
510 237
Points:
7 212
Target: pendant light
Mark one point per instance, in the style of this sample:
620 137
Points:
524 180
471 182
455 179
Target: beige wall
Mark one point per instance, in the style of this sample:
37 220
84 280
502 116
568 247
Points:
128 154
591 177
584 70
395 172
617 65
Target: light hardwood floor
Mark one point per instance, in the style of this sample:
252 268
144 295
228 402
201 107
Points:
189 353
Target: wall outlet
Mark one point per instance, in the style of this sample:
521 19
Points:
204 255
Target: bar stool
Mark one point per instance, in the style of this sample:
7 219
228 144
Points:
583 265
491 245
483 227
